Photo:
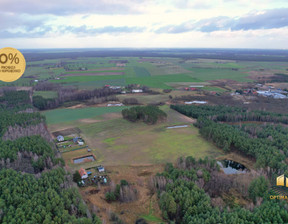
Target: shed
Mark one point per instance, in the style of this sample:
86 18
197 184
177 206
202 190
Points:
137 91
101 169
60 138
83 173
75 140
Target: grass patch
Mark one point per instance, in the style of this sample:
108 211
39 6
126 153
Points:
141 72
68 115
214 88
110 141
46 94
206 74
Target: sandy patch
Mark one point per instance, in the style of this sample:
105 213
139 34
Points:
128 212
110 116
77 106
88 121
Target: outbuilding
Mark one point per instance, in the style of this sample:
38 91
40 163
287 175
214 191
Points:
60 138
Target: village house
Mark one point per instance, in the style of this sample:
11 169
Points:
100 169
137 91
83 173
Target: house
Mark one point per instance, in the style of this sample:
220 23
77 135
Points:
115 104
60 138
100 169
137 91
196 102
83 173
80 143
75 140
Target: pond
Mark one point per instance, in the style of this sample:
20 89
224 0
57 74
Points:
231 167
84 159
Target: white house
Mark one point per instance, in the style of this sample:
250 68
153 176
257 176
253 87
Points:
60 138
101 169
137 91
196 102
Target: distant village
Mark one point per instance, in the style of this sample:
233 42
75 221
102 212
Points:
263 90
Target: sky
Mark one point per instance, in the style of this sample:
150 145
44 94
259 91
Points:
27 24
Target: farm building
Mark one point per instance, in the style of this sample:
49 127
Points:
83 173
80 143
100 169
60 138
115 104
196 102
137 91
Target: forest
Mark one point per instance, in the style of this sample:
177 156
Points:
184 196
27 194
265 141
147 114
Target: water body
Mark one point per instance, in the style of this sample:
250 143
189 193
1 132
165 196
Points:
231 167
84 159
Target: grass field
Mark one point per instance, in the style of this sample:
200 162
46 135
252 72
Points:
160 72
70 115
206 74
141 72
151 81
116 141
46 94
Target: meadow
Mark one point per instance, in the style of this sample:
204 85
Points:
58 116
46 94
115 141
160 72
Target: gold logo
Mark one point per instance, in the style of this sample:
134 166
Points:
12 64
281 181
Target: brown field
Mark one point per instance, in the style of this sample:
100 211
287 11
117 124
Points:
94 74
136 175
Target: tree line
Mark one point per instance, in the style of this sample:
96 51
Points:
68 94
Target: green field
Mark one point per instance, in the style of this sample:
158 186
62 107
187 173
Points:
157 73
116 141
69 115
141 72
46 94
206 74
151 81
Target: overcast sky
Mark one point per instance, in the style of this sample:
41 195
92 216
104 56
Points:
144 23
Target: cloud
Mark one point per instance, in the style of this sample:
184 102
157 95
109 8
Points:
11 21
70 7
46 31
275 18
36 33
269 19
107 29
